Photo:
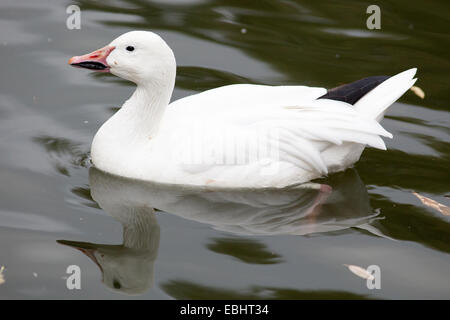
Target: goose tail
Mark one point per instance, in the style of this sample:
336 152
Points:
374 104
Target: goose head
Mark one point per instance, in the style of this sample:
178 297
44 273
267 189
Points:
139 56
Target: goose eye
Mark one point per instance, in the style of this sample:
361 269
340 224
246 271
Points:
130 48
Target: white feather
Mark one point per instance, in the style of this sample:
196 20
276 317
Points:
374 104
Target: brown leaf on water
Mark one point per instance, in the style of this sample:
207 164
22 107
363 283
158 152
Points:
360 272
433 204
418 91
2 277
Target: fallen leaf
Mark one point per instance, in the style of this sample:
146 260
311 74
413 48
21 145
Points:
2 277
360 272
433 204
418 91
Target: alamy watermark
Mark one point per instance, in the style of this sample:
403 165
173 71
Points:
374 282
374 20
372 275
74 19
224 146
73 281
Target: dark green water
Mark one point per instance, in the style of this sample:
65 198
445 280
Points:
220 245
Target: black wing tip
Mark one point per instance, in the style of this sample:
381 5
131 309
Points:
352 92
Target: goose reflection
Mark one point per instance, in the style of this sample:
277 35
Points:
126 268
340 202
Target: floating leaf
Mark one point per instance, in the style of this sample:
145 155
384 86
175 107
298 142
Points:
360 272
418 91
433 204
2 277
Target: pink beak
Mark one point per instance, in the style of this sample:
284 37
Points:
93 61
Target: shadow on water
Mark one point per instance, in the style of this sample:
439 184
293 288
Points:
64 153
414 172
340 204
245 250
191 291
410 223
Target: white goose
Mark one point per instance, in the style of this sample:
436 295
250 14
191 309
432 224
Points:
238 135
